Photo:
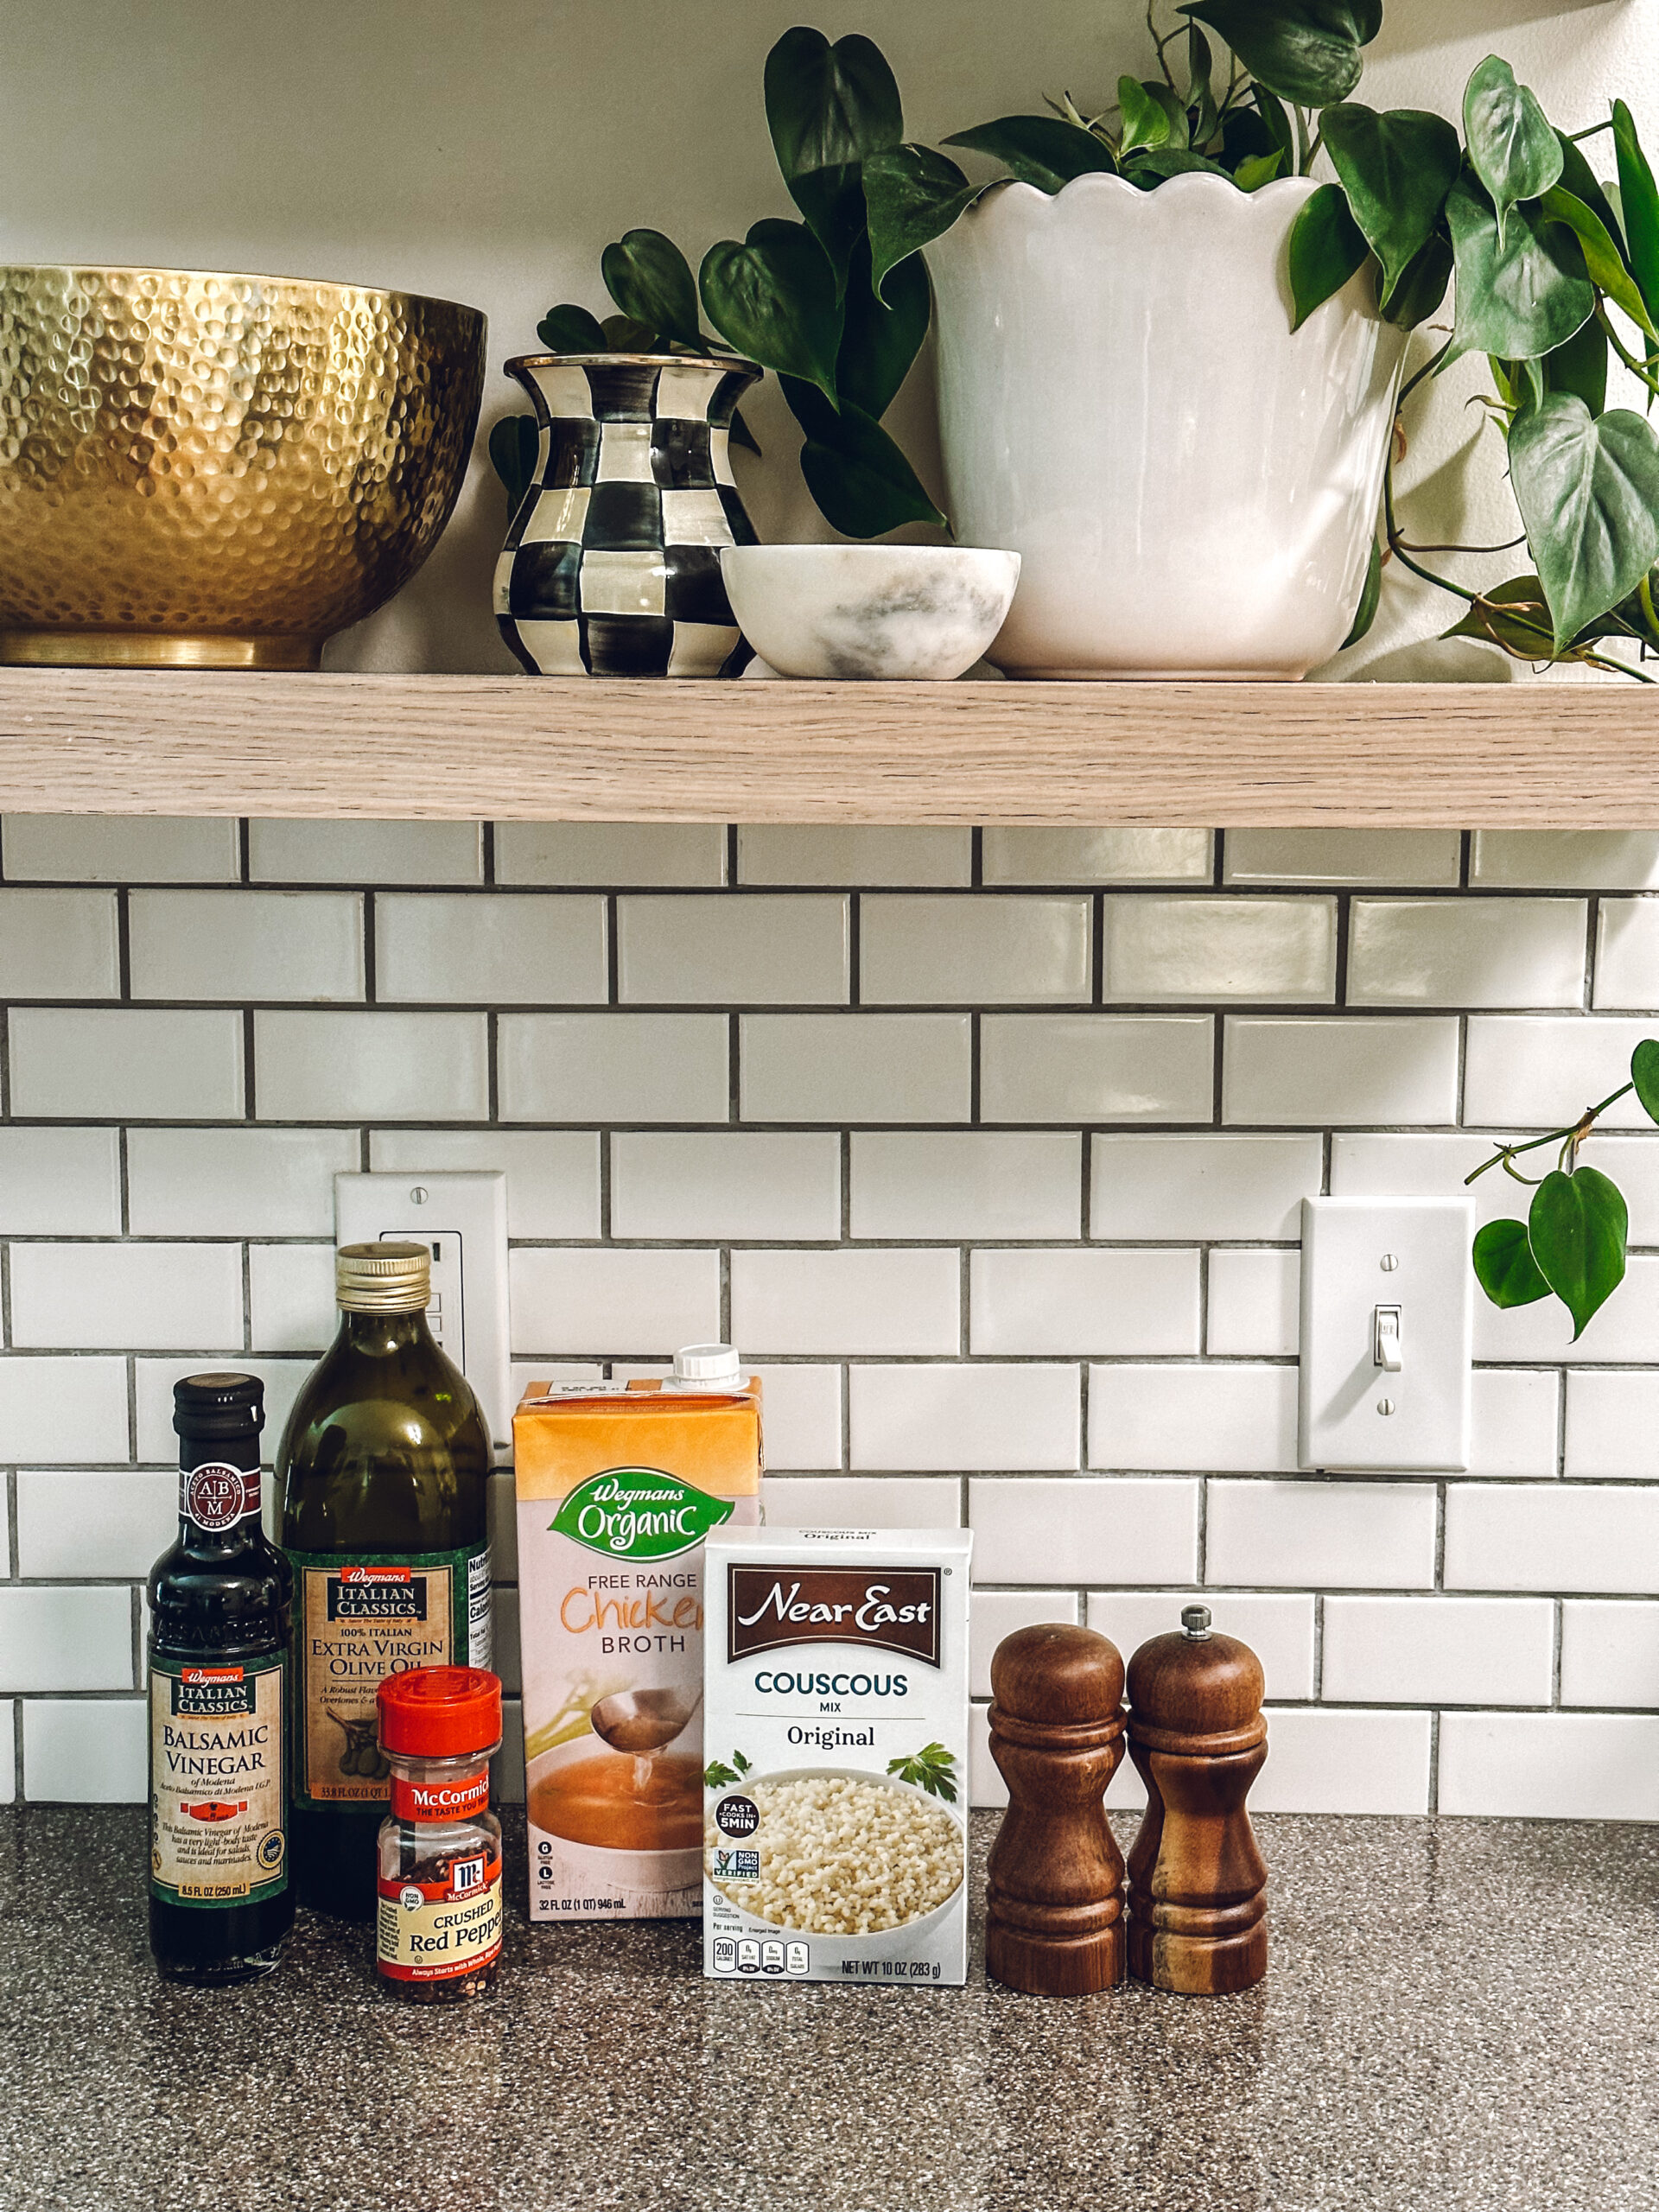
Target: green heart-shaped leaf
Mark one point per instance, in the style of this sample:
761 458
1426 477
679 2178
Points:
1304 50
1588 492
1370 593
1146 170
880 338
1638 200
1039 150
1515 616
862 482
570 330
829 108
1327 247
1511 147
1577 1227
1145 121
1422 284
1644 1074
1261 168
1396 170
1581 366
1521 296
625 333
773 297
1579 179
1504 1267
913 196
651 280
1602 257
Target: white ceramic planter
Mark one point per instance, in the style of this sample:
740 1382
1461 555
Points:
1192 488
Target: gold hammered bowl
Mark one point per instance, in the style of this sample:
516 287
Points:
220 471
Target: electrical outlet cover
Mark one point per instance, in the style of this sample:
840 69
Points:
1409 1256
462 1218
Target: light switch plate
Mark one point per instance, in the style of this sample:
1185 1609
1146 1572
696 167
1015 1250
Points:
462 1218
1360 1255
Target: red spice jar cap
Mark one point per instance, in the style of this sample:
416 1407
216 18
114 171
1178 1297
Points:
439 1712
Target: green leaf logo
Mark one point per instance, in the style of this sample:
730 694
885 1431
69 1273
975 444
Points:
639 1513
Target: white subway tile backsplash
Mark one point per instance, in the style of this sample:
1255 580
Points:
490 949
1325 1760
1612 1427
1030 1530
1096 1067
847 1301
1627 953
1338 1068
1195 1419
552 1174
1321 1535
79 1523
1202 1186
1540 1071
966 1183
1551 1536
1627 1328
118 848
63 1411
971 951
246 945
118 1063
58 944
91 1750
946 1418
781 852
291 1297
604 854
59 1182
1279 1629
1099 1301
606 1302
1437 1651
66 1637
1402 857
1464 953
150 1296
614 1067
863 1501
153 1381
1012 854
737 1184
235 1182
1254 1304
1609 1653
1199 950
855 1067
1551 1766
1566 860
371 1066
1515 1424
997 1613
800 1414
1408 1164
313 851
758 950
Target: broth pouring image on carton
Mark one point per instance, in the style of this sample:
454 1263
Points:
618 1487
836 1728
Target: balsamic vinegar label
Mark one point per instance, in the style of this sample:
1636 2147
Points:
217 1799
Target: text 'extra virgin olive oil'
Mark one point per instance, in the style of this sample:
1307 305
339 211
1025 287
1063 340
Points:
383 1470
221 1901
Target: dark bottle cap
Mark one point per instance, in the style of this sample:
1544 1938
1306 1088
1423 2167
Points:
217 1405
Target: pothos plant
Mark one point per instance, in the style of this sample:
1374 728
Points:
1572 1245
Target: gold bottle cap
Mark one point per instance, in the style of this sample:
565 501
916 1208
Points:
383 1278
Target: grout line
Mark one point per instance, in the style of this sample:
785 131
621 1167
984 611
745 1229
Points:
486 853
370 958
250 1095
1434 1805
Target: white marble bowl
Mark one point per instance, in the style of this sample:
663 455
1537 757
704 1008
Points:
869 612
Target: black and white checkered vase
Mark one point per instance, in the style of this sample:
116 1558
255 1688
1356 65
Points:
611 566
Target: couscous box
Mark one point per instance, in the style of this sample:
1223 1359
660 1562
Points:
836 1736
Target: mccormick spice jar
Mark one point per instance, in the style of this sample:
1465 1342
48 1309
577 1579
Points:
438 1930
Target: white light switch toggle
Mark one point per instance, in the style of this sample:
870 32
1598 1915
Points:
1387 1350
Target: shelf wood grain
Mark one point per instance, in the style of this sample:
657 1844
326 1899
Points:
455 747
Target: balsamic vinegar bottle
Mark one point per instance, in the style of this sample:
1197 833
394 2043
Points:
384 1471
220 1596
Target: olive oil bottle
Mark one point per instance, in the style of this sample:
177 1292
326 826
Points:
383 1474
221 1901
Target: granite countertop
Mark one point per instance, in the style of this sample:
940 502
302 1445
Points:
1458 2013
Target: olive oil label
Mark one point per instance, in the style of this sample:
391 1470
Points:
217 1793
432 1930
361 1619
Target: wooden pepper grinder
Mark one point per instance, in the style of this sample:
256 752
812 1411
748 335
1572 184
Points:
1054 1903
1197 1884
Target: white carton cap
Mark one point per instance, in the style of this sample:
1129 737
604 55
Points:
707 1364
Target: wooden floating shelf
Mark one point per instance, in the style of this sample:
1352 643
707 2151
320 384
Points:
508 747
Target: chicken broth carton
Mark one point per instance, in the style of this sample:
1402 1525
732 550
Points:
618 1487
836 1735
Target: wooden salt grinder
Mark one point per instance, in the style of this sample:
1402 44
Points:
1197 1884
1054 1904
